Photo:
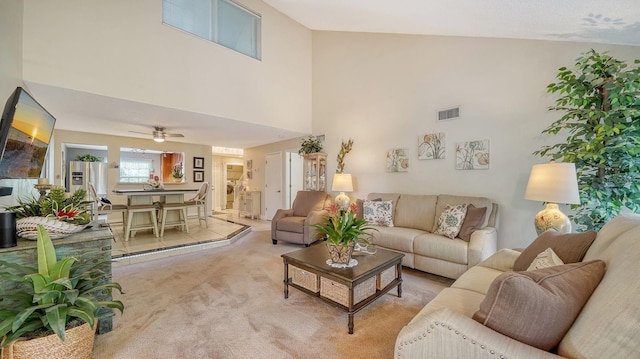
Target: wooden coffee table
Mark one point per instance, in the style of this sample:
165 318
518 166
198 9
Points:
349 289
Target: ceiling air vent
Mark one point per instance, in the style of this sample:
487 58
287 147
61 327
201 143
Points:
449 114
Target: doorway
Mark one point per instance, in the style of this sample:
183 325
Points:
273 184
294 177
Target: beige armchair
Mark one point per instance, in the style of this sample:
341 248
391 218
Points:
293 225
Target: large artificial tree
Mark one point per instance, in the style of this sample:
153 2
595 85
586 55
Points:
600 102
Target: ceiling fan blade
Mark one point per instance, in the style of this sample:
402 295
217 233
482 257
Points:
142 133
173 135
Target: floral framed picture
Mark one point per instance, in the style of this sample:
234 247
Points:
198 162
431 146
472 155
198 176
398 160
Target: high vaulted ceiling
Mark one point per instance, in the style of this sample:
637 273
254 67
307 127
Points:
602 21
599 21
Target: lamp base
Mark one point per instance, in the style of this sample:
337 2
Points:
342 201
552 217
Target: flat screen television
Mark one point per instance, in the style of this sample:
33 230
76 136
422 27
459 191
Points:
25 132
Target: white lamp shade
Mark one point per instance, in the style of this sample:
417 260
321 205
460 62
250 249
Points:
342 182
553 182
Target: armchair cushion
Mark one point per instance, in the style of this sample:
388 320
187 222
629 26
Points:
291 224
307 201
538 307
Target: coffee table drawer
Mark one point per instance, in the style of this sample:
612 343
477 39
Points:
339 293
387 276
305 279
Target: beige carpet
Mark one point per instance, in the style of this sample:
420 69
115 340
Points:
228 303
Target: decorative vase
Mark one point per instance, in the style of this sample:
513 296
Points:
177 179
78 344
340 253
27 227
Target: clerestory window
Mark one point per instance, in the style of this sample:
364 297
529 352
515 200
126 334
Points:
222 21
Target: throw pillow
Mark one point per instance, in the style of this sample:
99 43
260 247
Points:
546 259
538 307
570 247
378 213
360 207
450 220
472 221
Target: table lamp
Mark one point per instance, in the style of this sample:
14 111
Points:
553 183
342 183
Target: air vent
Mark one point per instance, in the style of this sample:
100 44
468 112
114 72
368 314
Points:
449 114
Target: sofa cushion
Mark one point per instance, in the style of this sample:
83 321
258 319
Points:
378 213
291 224
398 238
478 202
472 221
460 300
450 220
415 211
570 247
548 258
436 246
477 279
538 307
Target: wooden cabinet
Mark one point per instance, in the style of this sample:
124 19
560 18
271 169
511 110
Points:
90 245
315 172
249 205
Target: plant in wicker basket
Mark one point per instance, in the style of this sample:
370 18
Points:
44 303
60 215
343 230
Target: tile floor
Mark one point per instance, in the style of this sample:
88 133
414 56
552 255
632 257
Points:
223 229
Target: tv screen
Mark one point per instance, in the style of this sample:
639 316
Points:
25 133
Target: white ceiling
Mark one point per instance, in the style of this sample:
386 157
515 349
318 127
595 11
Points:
599 21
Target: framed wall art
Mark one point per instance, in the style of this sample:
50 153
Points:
198 162
198 176
431 146
398 160
472 155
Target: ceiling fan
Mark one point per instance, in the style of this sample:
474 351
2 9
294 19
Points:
159 134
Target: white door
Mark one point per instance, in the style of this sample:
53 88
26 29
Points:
293 177
274 195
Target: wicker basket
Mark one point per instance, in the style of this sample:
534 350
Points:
304 279
27 227
339 293
78 344
387 276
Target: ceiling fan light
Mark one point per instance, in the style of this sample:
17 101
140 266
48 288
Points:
158 139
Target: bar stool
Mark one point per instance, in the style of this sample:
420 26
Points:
148 208
181 208
199 202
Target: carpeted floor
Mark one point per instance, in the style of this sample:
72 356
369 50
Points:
228 303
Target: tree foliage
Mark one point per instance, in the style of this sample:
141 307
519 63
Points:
600 102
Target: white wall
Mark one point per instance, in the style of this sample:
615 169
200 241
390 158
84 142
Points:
10 70
121 49
384 91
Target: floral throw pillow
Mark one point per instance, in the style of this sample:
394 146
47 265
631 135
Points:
378 213
451 220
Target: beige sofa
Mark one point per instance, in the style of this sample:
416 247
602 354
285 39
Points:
606 327
414 220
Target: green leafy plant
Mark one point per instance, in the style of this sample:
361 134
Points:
342 226
39 302
88 158
176 170
600 100
344 149
56 205
310 144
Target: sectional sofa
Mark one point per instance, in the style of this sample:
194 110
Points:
414 221
606 327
